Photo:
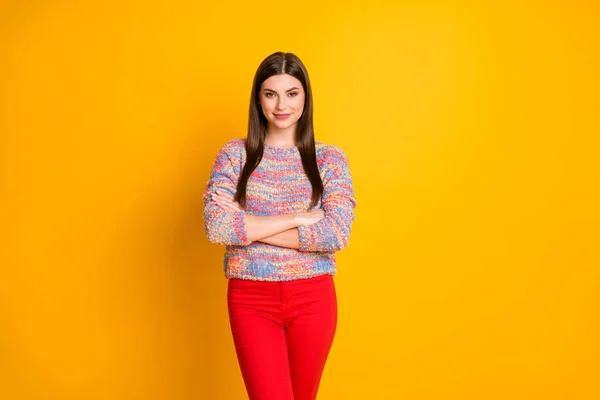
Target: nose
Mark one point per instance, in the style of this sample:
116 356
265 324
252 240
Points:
281 103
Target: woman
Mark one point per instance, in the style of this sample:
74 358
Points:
283 204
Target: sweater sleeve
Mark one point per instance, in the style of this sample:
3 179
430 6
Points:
223 226
332 232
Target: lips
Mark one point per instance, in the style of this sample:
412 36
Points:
282 116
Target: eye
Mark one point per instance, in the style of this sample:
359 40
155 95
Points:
294 93
268 94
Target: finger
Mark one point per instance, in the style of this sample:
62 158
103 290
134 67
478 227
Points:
221 193
219 198
224 194
227 200
228 196
228 205
220 201
231 208
224 199
233 203
236 207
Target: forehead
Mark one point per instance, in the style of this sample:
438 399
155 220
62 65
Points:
281 82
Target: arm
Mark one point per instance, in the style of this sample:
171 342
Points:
271 227
278 230
332 233
289 239
224 225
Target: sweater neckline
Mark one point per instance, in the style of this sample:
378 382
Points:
280 150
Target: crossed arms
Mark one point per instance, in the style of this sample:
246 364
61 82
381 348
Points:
235 227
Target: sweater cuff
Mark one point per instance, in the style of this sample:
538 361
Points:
305 237
239 228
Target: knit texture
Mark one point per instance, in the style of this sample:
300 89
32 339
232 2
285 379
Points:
279 185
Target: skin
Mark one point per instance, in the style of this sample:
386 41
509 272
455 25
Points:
279 230
279 94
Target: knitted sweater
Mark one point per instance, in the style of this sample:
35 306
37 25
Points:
279 185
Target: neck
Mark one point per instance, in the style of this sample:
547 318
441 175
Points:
280 138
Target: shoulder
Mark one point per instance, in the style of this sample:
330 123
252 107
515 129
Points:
330 154
233 149
232 146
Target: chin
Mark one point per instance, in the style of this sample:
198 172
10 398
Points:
283 123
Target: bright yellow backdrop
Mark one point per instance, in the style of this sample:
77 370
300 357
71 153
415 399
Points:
472 132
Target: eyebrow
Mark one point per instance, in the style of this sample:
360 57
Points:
289 90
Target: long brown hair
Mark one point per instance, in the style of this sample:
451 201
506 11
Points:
276 64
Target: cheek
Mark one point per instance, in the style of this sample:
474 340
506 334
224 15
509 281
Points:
268 104
298 104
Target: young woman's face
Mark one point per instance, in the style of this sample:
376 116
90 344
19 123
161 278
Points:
282 100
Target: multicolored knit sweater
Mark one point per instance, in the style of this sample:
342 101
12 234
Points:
279 186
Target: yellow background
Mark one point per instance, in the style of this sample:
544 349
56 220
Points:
472 133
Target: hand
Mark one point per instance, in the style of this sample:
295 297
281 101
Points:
225 201
311 217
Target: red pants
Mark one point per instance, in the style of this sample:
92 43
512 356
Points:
282 332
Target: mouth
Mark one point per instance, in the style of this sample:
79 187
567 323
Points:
281 116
